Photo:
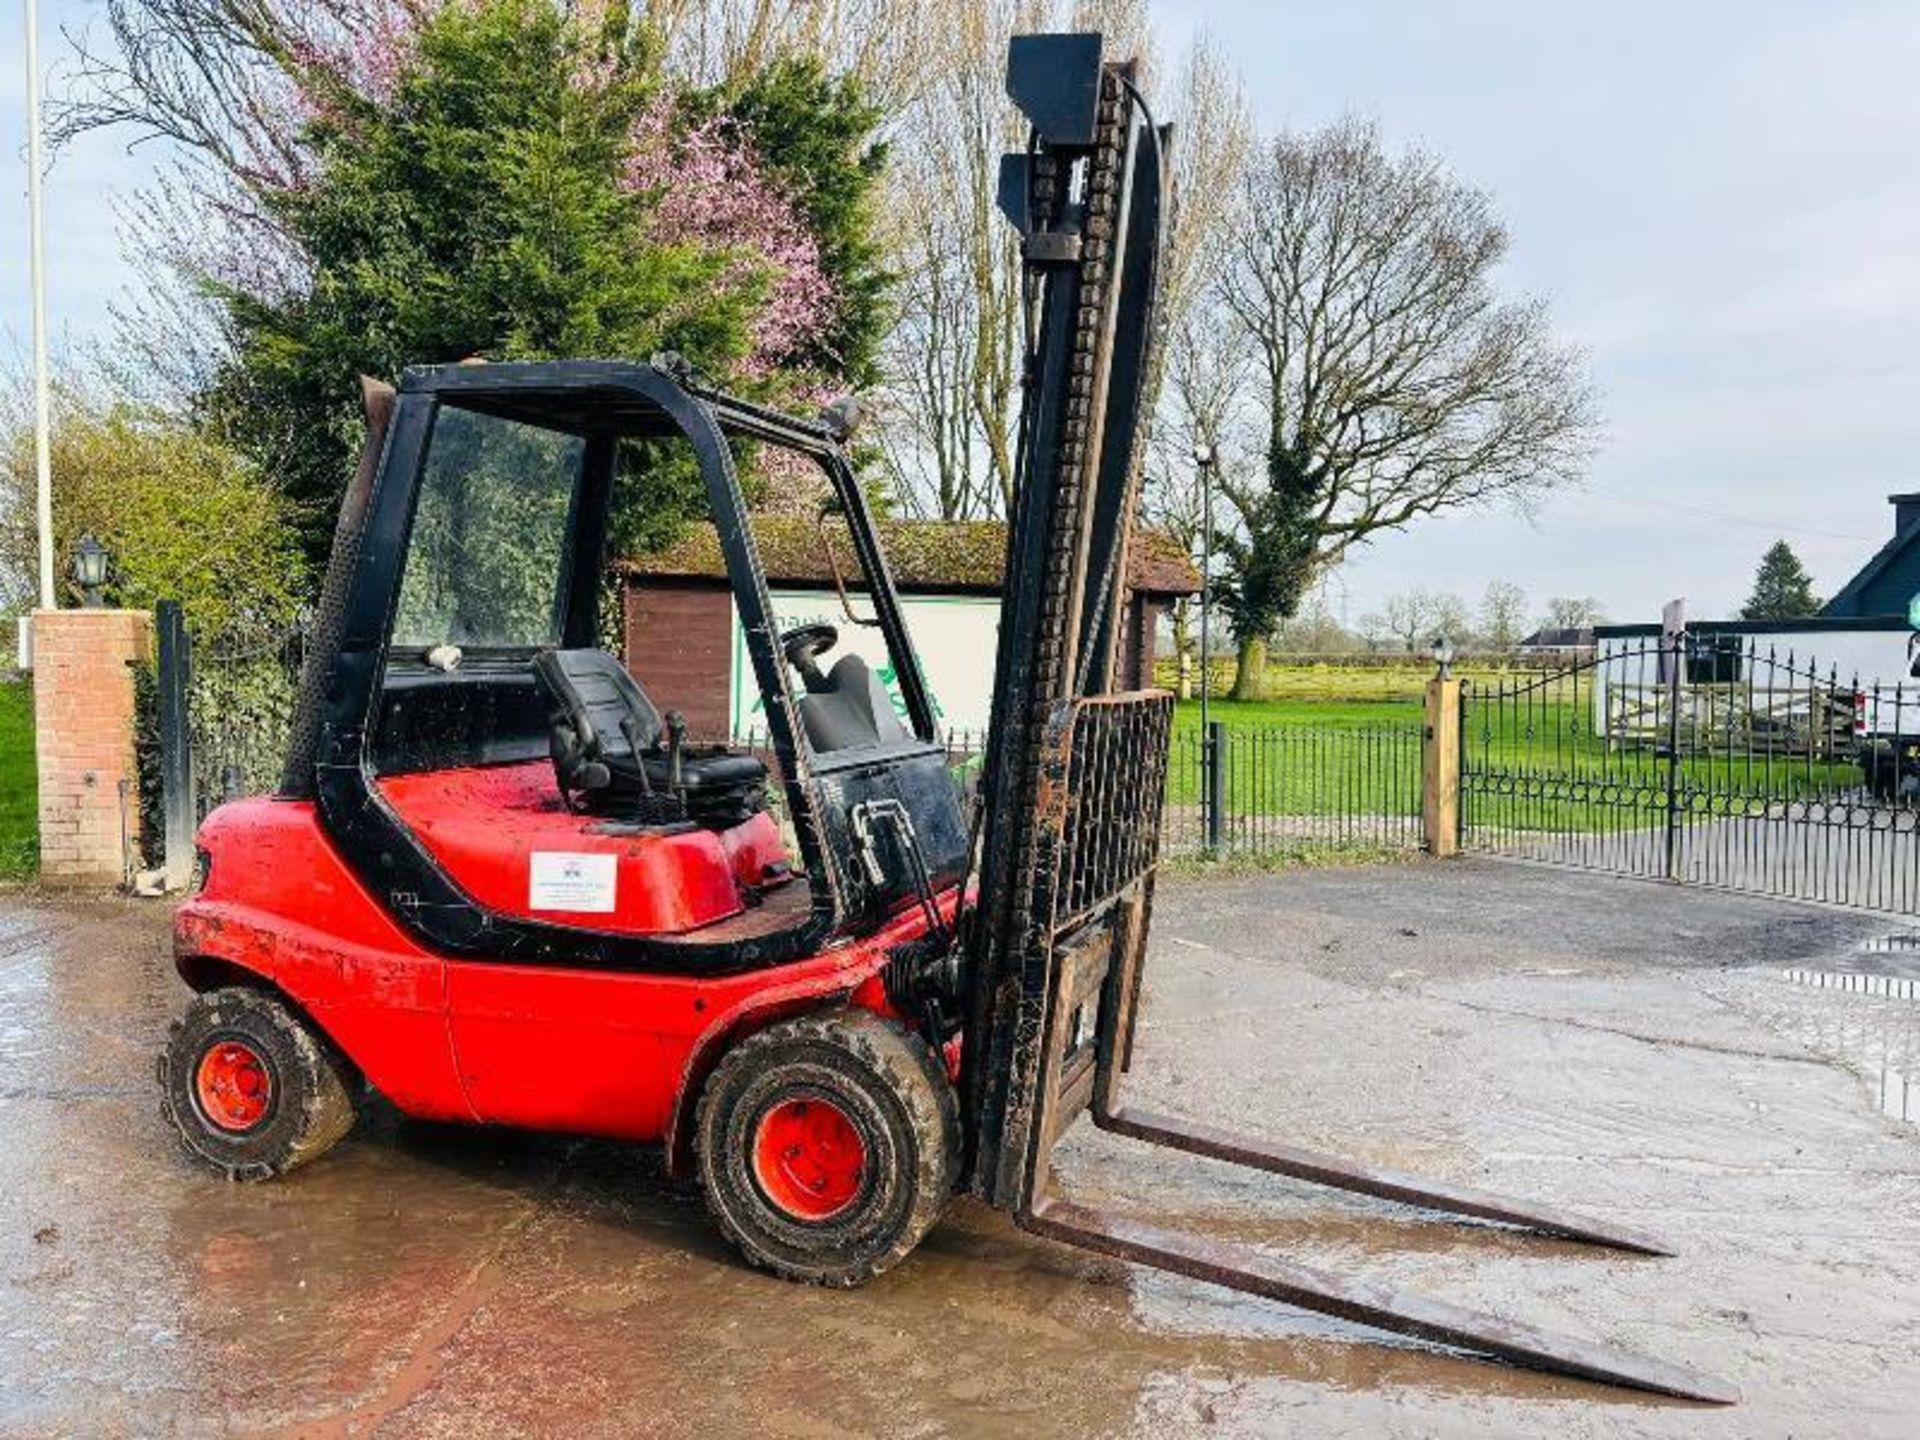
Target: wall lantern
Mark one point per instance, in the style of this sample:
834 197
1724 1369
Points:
90 569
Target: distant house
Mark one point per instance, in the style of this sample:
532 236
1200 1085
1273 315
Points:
1886 584
684 644
1558 642
1862 638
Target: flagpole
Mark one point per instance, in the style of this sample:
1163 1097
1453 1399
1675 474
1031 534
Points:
37 280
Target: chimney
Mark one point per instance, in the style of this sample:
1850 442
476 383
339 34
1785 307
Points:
1906 511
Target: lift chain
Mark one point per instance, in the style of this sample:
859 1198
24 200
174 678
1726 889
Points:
1065 532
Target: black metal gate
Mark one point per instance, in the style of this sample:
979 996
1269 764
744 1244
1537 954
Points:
226 704
241 708
1705 759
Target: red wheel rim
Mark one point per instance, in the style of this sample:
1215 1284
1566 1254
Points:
233 1085
809 1158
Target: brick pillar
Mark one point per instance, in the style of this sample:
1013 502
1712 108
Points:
83 712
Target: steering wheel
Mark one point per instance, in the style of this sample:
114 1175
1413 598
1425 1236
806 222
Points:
805 644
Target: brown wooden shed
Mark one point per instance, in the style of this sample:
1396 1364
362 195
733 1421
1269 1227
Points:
678 627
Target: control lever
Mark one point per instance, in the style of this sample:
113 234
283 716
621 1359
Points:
651 806
676 744
628 729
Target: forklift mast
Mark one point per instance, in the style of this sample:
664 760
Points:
1074 774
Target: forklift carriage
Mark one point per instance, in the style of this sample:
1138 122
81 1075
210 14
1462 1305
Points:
500 885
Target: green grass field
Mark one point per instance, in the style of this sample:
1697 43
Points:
1401 680
1542 767
1536 766
1305 757
19 804
1247 714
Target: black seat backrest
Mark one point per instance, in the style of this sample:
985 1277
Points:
595 703
848 709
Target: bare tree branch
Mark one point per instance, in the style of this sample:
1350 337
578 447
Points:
953 360
1395 382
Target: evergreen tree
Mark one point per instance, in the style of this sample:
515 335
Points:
1782 589
474 209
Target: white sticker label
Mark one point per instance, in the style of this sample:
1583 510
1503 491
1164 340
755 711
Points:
562 880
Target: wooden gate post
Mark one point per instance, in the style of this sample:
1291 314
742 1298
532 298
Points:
1440 767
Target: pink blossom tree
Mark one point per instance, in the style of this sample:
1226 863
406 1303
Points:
711 188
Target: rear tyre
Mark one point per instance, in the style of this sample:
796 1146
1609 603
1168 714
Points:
828 1146
249 1088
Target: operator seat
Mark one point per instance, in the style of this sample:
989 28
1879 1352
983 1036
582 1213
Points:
612 751
845 708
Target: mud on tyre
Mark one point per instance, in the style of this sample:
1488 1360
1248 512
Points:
829 1145
248 1086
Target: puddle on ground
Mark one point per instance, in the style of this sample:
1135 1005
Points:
1868 1019
1895 954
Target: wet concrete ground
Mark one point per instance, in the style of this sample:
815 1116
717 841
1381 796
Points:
1723 1072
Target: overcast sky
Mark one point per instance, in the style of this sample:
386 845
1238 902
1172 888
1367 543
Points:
1720 200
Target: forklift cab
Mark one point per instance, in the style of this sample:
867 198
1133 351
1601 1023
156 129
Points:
505 785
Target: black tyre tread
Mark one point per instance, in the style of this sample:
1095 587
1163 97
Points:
911 1071
320 1083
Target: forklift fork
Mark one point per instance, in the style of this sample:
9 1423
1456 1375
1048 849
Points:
1338 1173
1237 1267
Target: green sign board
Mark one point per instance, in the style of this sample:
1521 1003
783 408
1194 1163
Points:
1913 612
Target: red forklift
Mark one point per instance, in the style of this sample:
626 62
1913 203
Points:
500 884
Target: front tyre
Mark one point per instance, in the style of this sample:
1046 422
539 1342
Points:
249 1088
828 1146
